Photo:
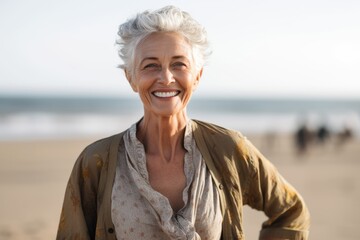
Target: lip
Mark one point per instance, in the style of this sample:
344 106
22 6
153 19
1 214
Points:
165 93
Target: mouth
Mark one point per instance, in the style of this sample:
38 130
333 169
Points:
166 94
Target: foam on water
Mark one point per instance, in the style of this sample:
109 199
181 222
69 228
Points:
64 118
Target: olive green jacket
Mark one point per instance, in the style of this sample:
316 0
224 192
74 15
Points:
241 174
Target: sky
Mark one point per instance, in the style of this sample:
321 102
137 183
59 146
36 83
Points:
278 48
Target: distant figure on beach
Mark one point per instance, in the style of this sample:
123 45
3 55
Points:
323 134
345 135
303 138
168 176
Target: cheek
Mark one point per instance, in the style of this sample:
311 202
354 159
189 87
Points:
144 87
185 79
143 81
192 83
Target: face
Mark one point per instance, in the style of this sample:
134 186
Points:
165 75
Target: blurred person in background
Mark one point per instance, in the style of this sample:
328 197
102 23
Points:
168 176
303 138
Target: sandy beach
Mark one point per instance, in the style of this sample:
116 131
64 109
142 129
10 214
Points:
33 175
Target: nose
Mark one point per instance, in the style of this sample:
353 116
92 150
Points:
166 76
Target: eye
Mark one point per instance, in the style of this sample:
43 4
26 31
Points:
151 66
179 65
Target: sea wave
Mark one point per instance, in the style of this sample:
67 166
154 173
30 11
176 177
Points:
33 118
40 125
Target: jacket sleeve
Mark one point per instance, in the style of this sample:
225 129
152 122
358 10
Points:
268 191
79 211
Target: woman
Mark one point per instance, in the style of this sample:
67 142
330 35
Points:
169 177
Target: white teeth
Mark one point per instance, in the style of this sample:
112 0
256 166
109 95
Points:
165 94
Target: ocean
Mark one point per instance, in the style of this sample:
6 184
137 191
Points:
23 118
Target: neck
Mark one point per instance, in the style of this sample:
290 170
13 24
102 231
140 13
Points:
162 136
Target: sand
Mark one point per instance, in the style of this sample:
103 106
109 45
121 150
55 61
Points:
33 175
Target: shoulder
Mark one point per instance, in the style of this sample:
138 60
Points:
214 129
222 141
98 152
102 145
217 134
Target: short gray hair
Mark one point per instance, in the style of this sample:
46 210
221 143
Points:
167 19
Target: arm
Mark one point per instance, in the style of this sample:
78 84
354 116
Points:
79 212
268 191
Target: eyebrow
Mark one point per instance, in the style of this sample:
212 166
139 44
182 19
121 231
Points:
148 58
177 57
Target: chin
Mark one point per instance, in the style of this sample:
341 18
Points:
173 112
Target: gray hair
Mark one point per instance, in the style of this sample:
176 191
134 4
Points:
167 19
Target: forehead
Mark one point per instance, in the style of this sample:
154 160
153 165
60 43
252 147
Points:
163 44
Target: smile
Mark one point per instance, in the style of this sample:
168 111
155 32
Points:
166 94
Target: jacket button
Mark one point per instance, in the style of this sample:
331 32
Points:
110 230
221 187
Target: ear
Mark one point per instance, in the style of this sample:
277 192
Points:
130 80
198 77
